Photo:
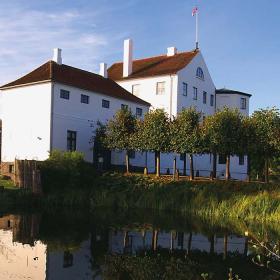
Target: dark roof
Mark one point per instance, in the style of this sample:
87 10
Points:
153 66
64 74
229 91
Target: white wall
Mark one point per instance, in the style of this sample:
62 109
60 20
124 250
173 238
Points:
148 89
73 115
173 101
26 122
21 261
188 75
232 101
81 268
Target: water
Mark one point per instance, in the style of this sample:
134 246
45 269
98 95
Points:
111 244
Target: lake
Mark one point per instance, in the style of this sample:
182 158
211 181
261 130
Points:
135 244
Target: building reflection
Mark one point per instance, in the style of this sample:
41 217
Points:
22 256
130 242
28 252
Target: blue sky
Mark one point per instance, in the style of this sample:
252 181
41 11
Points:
239 39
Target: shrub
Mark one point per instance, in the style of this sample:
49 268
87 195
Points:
66 170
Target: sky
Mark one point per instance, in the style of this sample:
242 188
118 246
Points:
239 39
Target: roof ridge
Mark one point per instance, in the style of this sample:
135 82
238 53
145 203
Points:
156 56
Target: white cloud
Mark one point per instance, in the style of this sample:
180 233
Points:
27 38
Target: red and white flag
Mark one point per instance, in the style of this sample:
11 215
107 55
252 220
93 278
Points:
194 11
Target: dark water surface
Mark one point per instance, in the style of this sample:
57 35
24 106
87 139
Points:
114 244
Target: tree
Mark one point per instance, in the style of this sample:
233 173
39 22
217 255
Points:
266 123
186 136
153 134
222 134
119 131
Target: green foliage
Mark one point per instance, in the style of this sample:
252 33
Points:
266 123
163 265
153 133
99 138
66 170
119 130
7 183
186 137
223 132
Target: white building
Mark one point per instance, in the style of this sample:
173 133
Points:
57 106
174 81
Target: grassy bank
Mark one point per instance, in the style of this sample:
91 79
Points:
215 200
220 199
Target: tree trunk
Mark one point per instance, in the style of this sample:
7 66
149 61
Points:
212 244
127 161
214 175
174 167
185 165
191 168
245 253
248 168
266 178
228 168
158 164
190 243
225 246
155 240
171 241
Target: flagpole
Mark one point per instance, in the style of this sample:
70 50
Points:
196 30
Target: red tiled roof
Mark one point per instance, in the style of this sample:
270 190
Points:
153 66
64 74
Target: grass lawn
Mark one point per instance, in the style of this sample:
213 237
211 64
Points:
7 184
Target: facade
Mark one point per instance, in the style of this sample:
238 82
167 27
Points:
57 106
175 81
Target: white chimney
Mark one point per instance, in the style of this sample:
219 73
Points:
127 57
171 51
103 70
57 56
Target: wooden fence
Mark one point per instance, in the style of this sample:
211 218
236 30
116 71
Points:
27 175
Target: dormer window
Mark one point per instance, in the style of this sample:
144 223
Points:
199 73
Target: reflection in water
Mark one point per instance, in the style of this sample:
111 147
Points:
77 246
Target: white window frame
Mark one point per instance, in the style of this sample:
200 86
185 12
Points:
185 89
135 89
161 88
194 93
243 103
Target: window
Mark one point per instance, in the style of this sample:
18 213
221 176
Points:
136 90
84 99
11 168
105 103
64 94
199 73
180 241
243 103
222 159
131 154
212 100
124 107
160 88
185 89
139 112
241 160
67 259
194 93
71 140
182 156
204 97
